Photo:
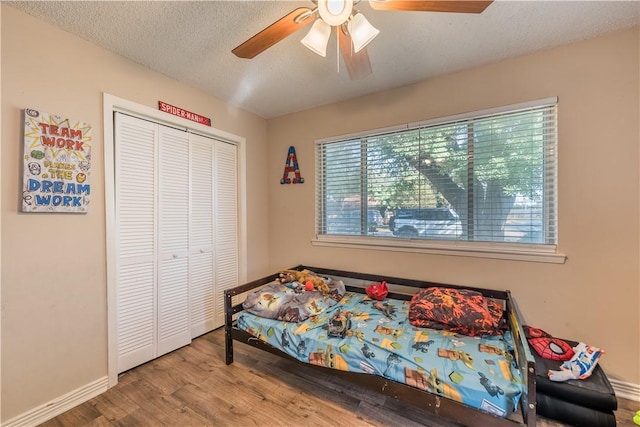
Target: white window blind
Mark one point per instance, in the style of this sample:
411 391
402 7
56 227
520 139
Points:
484 177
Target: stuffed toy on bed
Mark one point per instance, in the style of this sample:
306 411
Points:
304 276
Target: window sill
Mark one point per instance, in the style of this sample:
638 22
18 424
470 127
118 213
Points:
506 251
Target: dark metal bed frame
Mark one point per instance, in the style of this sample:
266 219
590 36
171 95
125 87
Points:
439 405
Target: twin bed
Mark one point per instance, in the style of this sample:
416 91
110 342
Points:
486 380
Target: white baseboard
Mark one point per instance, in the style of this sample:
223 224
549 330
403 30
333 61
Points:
625 390
59 405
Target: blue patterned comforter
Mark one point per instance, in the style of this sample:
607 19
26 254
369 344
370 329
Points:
359 334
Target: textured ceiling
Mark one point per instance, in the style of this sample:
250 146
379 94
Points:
192 41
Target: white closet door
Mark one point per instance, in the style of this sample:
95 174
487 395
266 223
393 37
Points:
177 236
173 240
135 176
201 250
225 223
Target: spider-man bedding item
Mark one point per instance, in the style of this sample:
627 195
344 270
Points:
532 332
552 348
547 346
480 379
459 310
586 403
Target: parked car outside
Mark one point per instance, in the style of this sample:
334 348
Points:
349 222
431 223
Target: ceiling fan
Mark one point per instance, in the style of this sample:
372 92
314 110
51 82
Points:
352 29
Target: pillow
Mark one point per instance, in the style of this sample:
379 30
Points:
290 304
547 346
459 310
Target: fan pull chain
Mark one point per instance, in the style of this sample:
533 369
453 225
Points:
338 50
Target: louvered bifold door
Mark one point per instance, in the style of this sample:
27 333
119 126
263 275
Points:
201 242
135 176
173 240
225 224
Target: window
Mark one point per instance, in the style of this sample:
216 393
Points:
487 177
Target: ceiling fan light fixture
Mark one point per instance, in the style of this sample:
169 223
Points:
361 31
318 37
335 12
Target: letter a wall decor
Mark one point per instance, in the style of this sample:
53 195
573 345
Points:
57 164
291 166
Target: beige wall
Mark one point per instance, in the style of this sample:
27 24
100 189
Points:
54 319
594 296
54 329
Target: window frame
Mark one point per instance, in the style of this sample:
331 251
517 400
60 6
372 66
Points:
547 253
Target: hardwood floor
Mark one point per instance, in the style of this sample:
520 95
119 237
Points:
192 386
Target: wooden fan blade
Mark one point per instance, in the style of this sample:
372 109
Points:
274 33
358 64
431 6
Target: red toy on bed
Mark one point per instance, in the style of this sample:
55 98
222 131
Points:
377 291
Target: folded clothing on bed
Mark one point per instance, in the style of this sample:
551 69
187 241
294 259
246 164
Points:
459 310
291 304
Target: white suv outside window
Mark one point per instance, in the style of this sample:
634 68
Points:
431 223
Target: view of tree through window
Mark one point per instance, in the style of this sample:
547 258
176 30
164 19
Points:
489 179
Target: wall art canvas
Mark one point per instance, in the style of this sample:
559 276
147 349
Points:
57 163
